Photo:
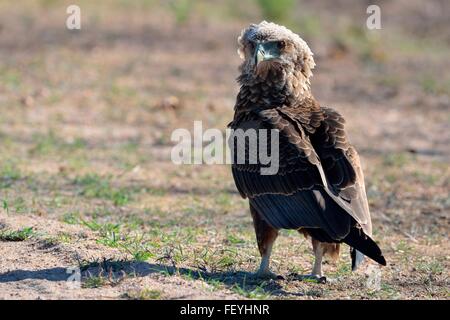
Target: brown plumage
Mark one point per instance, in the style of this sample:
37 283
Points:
319 187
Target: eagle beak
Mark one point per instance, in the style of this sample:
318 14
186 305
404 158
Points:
259 54
265 51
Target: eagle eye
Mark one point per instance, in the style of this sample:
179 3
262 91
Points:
281 44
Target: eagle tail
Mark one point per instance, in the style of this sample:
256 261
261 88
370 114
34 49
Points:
363 245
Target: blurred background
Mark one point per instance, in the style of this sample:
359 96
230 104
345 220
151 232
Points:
86 118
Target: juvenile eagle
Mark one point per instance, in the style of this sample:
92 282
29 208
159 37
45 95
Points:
319 187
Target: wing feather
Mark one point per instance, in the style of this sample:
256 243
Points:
314 154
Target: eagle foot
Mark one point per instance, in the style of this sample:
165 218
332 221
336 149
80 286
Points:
310 278
268 275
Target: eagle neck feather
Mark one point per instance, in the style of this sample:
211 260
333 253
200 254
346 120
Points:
273 87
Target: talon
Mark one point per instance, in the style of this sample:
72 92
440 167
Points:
319 279
322 279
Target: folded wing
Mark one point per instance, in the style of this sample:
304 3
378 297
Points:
319 183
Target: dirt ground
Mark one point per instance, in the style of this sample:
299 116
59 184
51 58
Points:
87 186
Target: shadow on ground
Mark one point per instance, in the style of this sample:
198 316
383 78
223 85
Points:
241 281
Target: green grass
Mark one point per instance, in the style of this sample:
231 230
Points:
234 240
16 235
9 172
71 218
343 268
18 205
214 284
50 144
308 25
276 10
426 179
140 255
112 235
94 186
109 239
364 44
387 292
94 282
5 205
144 294
434 267
181 10
64 237
252 292
11 79
106 272
429 84
397 159
432 85
103 228
224 200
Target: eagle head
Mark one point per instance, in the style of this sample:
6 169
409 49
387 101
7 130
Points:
275 55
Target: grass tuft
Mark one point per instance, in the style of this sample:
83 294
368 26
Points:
16 235
144 294
94 186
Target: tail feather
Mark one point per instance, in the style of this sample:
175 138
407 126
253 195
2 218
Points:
363 244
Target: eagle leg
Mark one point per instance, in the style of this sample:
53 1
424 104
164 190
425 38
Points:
321 248
318 255
265 237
